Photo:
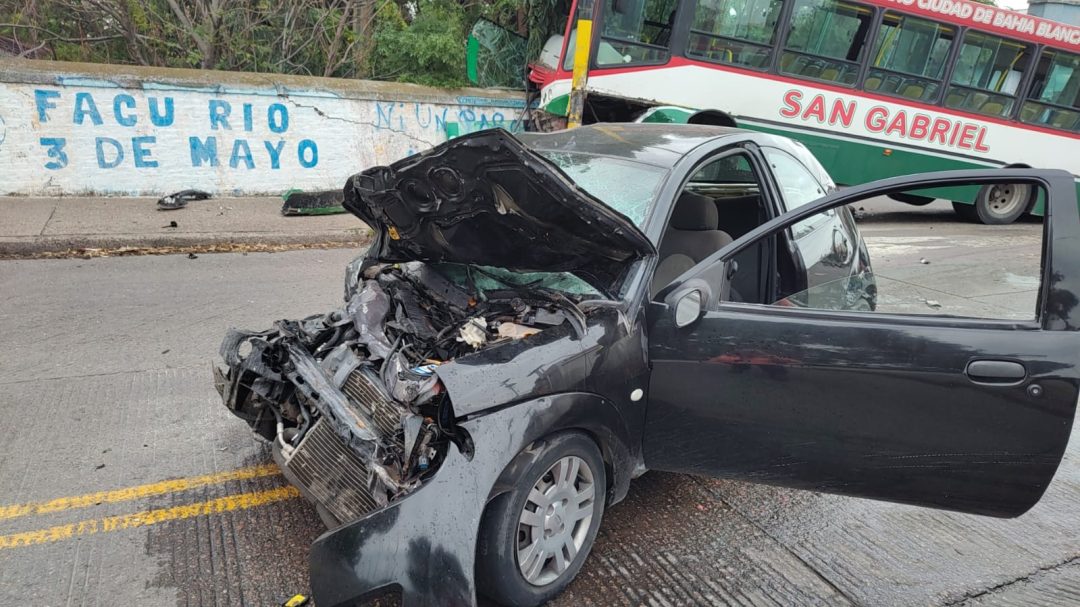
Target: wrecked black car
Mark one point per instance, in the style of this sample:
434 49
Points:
540 319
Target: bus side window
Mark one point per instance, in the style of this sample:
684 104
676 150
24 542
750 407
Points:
909 57
636 31
826 40
987 74
735 32
1054 98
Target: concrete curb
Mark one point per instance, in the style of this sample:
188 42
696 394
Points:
55 226
36 245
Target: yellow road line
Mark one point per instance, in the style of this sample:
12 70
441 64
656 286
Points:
139 491
238 501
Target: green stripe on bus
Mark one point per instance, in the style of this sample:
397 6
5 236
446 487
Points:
850 162
558 106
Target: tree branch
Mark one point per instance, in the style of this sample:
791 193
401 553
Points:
58 38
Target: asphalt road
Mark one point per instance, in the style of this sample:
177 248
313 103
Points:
123 481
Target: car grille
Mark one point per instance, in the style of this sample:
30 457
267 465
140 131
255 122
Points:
332 473
364 390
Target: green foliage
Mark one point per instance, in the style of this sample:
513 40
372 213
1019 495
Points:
430 50
421 41
545 17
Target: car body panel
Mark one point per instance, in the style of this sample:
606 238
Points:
608 360
425 544
874 405
776 368
486 199
655 144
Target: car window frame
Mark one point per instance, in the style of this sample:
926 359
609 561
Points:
1053 180
793 233
677 181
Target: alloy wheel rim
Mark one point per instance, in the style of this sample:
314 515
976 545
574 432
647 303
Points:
555 520
1004 198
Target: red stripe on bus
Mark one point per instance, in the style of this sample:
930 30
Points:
1036 23
684 62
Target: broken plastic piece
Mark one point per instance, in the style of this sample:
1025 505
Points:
326 202
297 600
426 370
368 310
179 200
516 331
473 333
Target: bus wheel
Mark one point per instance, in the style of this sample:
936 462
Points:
965 210
1003 203
912 199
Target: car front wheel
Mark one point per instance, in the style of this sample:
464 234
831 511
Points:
534 539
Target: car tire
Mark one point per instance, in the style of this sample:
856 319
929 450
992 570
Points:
1003 203
545 491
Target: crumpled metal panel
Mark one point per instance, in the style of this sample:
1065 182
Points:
486 199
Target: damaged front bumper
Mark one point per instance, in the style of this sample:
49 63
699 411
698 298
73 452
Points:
357 402
399 474
352 400
424 545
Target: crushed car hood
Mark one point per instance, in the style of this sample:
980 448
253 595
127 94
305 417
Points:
486 199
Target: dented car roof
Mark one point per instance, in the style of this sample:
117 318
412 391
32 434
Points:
660 145
486 199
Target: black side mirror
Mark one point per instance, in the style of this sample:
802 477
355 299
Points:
688 302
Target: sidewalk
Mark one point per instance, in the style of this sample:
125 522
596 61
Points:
30 226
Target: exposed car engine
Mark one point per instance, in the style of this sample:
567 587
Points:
352 400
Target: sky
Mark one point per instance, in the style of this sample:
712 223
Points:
1013 4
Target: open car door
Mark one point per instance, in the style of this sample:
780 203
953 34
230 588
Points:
967 414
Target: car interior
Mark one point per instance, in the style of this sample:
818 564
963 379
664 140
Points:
722 201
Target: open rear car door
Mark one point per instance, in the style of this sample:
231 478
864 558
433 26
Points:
966 414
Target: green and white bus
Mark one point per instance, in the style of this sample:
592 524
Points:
874 88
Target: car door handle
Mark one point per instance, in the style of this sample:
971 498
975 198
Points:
995 371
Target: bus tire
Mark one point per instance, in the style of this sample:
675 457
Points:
965 211
1003 203
912 199
713 117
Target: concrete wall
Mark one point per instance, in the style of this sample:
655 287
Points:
79 129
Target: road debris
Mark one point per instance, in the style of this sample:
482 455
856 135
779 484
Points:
325 202
179 200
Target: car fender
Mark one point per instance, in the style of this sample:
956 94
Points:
425 544
593 415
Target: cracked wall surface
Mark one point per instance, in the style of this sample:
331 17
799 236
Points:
75 129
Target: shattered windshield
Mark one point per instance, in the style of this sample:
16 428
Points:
490 278
626 186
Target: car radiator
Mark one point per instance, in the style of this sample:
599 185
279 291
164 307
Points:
332 473
364 390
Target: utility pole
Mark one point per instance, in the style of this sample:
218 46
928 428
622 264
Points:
582 46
